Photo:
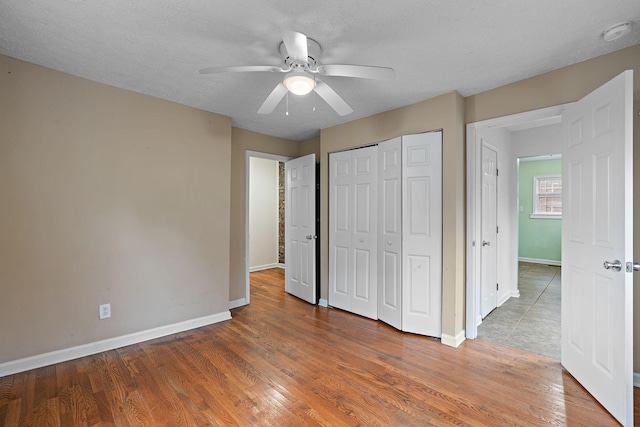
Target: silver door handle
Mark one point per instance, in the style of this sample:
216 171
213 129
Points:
615 265
485 243
311 237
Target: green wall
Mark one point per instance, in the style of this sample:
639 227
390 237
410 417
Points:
537 238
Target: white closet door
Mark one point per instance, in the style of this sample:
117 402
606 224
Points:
365 232
390 232
353 231
422 233
340 230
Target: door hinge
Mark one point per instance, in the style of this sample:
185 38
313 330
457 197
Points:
497 286
497 172
497 229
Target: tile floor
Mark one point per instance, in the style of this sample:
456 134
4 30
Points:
532 321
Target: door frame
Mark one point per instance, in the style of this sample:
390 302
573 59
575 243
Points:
473 227
247 187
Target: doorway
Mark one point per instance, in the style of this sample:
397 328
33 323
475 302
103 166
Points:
522 135
268 254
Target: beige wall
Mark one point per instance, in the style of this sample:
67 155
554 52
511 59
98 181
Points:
112 196
106 196
310 146
243 140
563 86
444 112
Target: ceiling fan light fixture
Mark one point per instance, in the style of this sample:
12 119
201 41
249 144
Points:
299 83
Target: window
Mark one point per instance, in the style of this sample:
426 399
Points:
547 196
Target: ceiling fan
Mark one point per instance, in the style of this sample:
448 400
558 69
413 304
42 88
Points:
300 64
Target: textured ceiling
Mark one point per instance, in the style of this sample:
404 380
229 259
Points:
156 47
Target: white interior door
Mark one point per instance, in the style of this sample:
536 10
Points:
390 232
488 224
300 228
422 233
597 311
353 231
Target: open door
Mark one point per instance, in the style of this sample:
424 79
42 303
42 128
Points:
597 238
489 231
300 228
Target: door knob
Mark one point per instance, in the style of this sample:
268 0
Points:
485 243
311 237
615 265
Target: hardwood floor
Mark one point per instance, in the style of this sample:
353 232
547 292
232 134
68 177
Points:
283 362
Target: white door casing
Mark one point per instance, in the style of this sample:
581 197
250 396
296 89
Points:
488 230
597 311
353 231
422 233
390 232
300 228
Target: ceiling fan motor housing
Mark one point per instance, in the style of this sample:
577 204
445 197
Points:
313 52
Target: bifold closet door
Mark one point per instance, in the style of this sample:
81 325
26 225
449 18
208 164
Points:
390 232
353 231
422 233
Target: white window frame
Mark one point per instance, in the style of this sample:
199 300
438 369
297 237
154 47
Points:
536 195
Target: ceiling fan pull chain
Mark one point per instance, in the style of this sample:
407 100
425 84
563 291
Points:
287 112
314 94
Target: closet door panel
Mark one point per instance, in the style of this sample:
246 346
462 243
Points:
364 238
390 232
340 230
422 233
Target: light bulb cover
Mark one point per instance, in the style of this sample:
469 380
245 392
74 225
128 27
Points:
299 83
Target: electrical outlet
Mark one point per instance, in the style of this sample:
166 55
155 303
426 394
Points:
105 311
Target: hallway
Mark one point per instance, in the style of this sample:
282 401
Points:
531 322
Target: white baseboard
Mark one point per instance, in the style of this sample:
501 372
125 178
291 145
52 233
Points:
452 341
636 379
505 297
237 303
323 302
541 261
58 356
265 267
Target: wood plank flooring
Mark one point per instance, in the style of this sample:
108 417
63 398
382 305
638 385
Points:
283 362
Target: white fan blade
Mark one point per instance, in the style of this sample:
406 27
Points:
361 71
273 99
296 45
333 99
241 69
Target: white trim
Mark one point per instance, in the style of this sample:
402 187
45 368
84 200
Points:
540 261
323 302
538 158
473 201
238 303
452 341
505 297
265 267
545 216
636 379
58 356
247 167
